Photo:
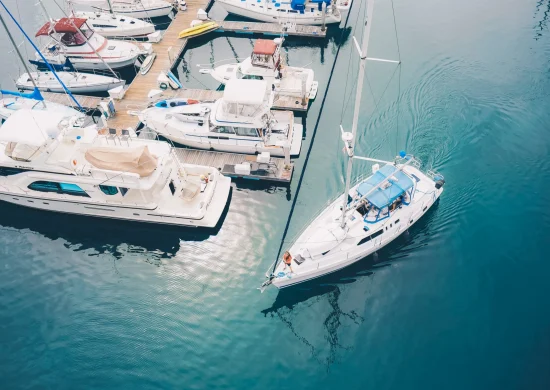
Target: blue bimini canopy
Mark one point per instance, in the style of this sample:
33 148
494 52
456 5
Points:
298 5
399 183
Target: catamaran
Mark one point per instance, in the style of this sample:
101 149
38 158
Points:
71 38
265 63
367 216
112 25
312 12
69 165
240 122
141 9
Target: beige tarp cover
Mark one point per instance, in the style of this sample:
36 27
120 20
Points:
136 160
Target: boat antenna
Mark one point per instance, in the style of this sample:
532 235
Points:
42 56
81 33
349 138
19 54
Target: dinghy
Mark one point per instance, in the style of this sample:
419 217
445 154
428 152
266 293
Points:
147 63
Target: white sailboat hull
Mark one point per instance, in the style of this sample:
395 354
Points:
348 251
116 26
144 10
128 213
75 82
252 11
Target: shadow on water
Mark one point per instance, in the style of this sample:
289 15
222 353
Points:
542 25
291 301
102 234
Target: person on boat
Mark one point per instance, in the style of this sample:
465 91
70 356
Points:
287 258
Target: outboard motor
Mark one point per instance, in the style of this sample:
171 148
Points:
439 183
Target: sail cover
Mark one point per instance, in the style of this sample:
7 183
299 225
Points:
136 160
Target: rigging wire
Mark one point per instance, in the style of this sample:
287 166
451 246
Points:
300 180
398 77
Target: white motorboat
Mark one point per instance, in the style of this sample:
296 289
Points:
63 164
240 122
294 11
367 216
141 9
265 63
71 38
74 81
111 25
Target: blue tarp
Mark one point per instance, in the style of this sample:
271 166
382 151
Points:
381 198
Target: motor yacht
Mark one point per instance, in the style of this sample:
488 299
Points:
72 38
266 63
65 164
240 122
141 9
110 25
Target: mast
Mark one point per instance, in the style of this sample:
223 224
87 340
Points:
19 54
349 139
41 56
110 7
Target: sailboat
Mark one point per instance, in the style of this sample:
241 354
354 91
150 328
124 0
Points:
70 165
265 63
76 82
71 38
308 12
141 9
112 25
368 215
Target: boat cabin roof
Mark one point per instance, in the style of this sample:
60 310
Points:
31 127
264 47
63 25
386 194
240 91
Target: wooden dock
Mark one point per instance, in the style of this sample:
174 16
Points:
225 163
274 29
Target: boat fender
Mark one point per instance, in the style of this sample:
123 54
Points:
440 183
74 163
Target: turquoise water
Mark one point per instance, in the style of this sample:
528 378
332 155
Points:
456 303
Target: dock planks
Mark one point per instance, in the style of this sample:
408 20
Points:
225 162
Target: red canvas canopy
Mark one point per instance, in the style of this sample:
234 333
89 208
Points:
63 25
264 47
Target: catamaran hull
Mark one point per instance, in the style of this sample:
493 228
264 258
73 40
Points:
105 210
236 9
360 251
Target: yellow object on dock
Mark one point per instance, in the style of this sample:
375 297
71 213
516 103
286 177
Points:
199 29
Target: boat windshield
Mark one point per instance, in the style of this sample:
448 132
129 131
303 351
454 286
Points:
76 39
